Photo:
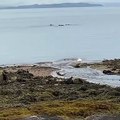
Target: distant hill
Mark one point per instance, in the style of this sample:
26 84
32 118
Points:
112 4
61 5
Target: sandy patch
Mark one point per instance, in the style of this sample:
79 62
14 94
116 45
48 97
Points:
35 70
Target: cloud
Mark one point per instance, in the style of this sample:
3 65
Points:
22 2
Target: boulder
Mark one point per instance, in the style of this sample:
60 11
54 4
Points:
4 78
108 72
60 73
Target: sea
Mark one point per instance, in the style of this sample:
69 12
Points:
49 34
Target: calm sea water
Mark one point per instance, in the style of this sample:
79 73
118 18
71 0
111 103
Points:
90 33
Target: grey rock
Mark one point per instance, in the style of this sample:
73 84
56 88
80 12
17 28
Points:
42 118
103 117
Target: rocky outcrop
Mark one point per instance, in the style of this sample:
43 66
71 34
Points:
113 67
24 74
25 90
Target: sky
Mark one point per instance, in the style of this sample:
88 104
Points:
23 2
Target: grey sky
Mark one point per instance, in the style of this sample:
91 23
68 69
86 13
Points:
20 2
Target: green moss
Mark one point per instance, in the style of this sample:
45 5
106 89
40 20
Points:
62 108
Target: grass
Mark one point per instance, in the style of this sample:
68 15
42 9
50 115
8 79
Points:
71 109
14 113
75 108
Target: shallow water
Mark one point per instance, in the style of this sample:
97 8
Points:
89 74
91 33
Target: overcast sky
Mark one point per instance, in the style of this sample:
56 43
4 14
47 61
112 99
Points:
21 2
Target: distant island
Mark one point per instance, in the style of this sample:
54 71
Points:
61 5
112 4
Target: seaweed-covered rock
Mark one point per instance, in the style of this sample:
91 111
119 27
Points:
23 76
69 81
78 80
108 72
4 78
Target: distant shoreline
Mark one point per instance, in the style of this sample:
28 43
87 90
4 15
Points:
61 5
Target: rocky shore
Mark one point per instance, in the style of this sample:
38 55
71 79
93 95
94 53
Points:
109 67
36 70
31 93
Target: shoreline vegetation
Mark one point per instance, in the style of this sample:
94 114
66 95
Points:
30 92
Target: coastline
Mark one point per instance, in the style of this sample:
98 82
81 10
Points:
108 67
85 88
98 72
27 95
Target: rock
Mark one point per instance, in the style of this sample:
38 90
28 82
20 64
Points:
51 81
24 74
78 80
83 87
80 65
119 72
60 73
4 78
27 99
103 117
108 72
42 118
67 24
61 25
33 118
51 25
69 81
76 65
56 93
